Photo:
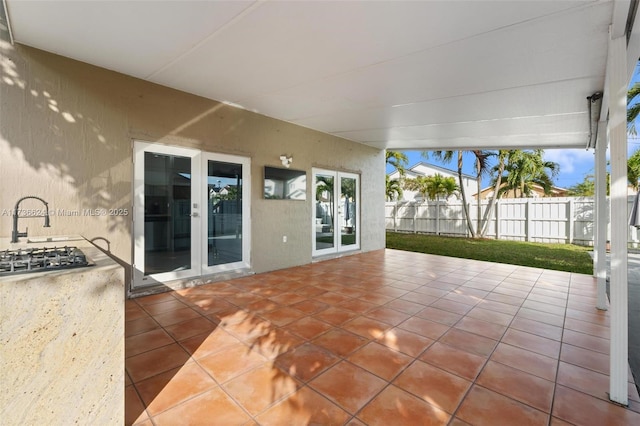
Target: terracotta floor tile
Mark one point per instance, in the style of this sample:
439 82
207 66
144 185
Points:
147 341
251 328
155 298
262 305
452 306
209 305
355 305
308 328
390 291
436 292
274 343
378 299
387 315
581 409
304 407
335 316
454 360
438 315
423 327
505 298
306 361
347 385
405 306
133 311
496 306
169 304
231 362
286 299
283 316
340 342
585 358
310 306
531 342
156 361
380 360
469 342
423 299
260 388
176 316
545 317
433 385
538 328
480 327
490 316
525 360
513 383
331 298
587 328
190 328
214 406
366 327
134 411
209 343
586 381
405 341
586 341
166 390
595 316
485 407
140 325
394 406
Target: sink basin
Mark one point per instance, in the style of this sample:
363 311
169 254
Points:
61 238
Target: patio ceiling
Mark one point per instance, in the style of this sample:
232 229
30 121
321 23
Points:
390 74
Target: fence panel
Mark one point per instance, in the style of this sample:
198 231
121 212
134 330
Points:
545 220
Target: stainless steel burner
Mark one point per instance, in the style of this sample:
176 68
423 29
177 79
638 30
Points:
41 259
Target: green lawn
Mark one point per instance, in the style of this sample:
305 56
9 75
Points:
560 257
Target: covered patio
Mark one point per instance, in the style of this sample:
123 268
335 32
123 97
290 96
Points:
385 337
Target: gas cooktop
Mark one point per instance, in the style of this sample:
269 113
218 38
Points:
41 259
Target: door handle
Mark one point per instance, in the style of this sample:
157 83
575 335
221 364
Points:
194 214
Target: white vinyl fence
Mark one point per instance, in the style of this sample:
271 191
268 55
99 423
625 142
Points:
545 220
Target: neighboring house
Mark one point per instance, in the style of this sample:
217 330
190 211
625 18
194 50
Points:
424 169
538 192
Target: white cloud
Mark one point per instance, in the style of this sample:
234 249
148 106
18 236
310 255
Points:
570 160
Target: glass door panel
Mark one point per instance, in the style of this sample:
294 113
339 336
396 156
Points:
324 225
348 209
224 227
167 213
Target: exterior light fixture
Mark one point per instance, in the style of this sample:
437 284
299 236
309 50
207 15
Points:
286 160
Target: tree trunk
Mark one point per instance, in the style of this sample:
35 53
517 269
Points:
492 200
464 197
479 208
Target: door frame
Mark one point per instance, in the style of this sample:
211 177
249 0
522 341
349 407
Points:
337 213
199 215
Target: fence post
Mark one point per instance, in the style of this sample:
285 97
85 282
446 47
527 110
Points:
415 217
570 215
496 206
528 213
437 217
395 216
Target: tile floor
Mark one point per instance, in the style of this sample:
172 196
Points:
380 338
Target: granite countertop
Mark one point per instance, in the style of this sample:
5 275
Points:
93 254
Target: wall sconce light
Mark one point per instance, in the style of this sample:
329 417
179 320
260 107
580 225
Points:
286 160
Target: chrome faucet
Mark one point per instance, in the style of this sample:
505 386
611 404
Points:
16 214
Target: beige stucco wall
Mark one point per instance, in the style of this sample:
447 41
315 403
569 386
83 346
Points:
66 131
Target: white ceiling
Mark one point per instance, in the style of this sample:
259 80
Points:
390 74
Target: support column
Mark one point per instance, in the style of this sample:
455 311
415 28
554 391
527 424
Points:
617 87
601 220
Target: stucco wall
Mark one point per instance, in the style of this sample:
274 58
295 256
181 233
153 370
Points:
66 131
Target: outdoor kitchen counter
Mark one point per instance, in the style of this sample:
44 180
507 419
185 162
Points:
62 341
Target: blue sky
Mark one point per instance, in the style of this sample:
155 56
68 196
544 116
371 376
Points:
575 164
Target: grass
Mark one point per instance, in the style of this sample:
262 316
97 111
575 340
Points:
560 257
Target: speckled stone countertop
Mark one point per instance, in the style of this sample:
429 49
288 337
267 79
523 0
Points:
62 341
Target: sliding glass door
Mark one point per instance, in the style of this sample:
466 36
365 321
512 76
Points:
190 213
336 216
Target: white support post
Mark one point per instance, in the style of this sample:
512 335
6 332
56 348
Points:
617 87
601 220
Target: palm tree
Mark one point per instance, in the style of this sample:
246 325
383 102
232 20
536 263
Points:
524 169
393 188
433 187
325 184
498 169
398 160
633 169
481 168
633 107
